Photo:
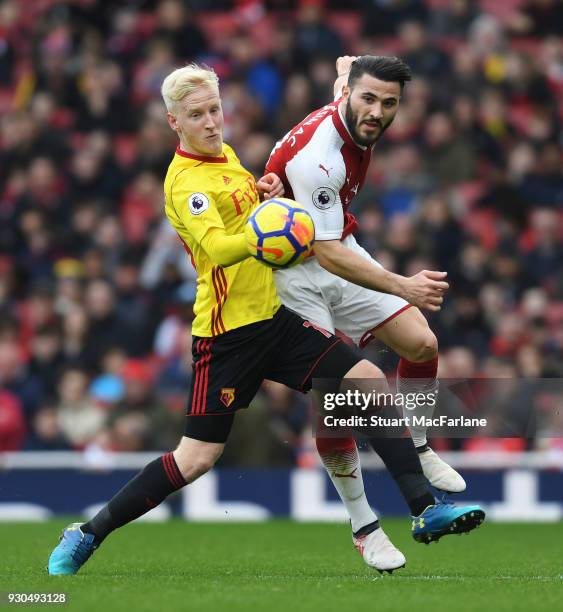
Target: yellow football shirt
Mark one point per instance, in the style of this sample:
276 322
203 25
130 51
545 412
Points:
204 194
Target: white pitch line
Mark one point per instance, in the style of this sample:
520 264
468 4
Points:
489 578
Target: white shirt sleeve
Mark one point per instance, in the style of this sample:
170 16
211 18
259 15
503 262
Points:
316 185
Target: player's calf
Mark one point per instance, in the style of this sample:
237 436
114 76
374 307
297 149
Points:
196 457
148 489
342 462
366 369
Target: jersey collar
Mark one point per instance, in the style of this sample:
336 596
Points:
342 128
222 159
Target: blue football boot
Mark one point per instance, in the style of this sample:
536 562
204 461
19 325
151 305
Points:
73 550
445 519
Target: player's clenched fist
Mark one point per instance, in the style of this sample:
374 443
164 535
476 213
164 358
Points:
344 63
270 186
425 289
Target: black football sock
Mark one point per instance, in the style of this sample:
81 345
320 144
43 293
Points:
149 488
401 459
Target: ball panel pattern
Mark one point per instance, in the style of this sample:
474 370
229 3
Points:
280 233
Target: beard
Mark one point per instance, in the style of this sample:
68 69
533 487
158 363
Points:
352 123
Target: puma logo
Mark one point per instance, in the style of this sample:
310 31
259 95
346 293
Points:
325 170
350 475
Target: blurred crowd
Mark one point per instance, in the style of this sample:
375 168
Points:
96 292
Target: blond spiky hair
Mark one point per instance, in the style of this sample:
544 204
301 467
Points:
184 81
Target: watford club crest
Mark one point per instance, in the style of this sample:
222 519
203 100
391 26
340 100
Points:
227 396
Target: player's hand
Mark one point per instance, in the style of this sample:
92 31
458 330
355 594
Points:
344 63
270 186
426 290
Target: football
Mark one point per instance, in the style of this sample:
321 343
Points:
280 233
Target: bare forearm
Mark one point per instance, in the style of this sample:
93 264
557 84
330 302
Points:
339 84
343 65
425 289
352 267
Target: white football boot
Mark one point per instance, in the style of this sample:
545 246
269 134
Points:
378 551
440 474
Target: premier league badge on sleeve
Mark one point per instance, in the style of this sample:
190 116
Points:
324 198
198 203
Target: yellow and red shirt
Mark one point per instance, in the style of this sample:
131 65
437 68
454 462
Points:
203 196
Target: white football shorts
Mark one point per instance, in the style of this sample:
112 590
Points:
334 303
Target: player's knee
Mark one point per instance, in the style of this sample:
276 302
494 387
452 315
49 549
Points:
202 465
195 461
424 347
197 467
364 369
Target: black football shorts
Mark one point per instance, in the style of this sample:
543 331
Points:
229 369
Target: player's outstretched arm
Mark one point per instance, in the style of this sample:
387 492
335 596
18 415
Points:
424 290
343 65
228 250
225 250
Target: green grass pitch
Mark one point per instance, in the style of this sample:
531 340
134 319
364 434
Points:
290 567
